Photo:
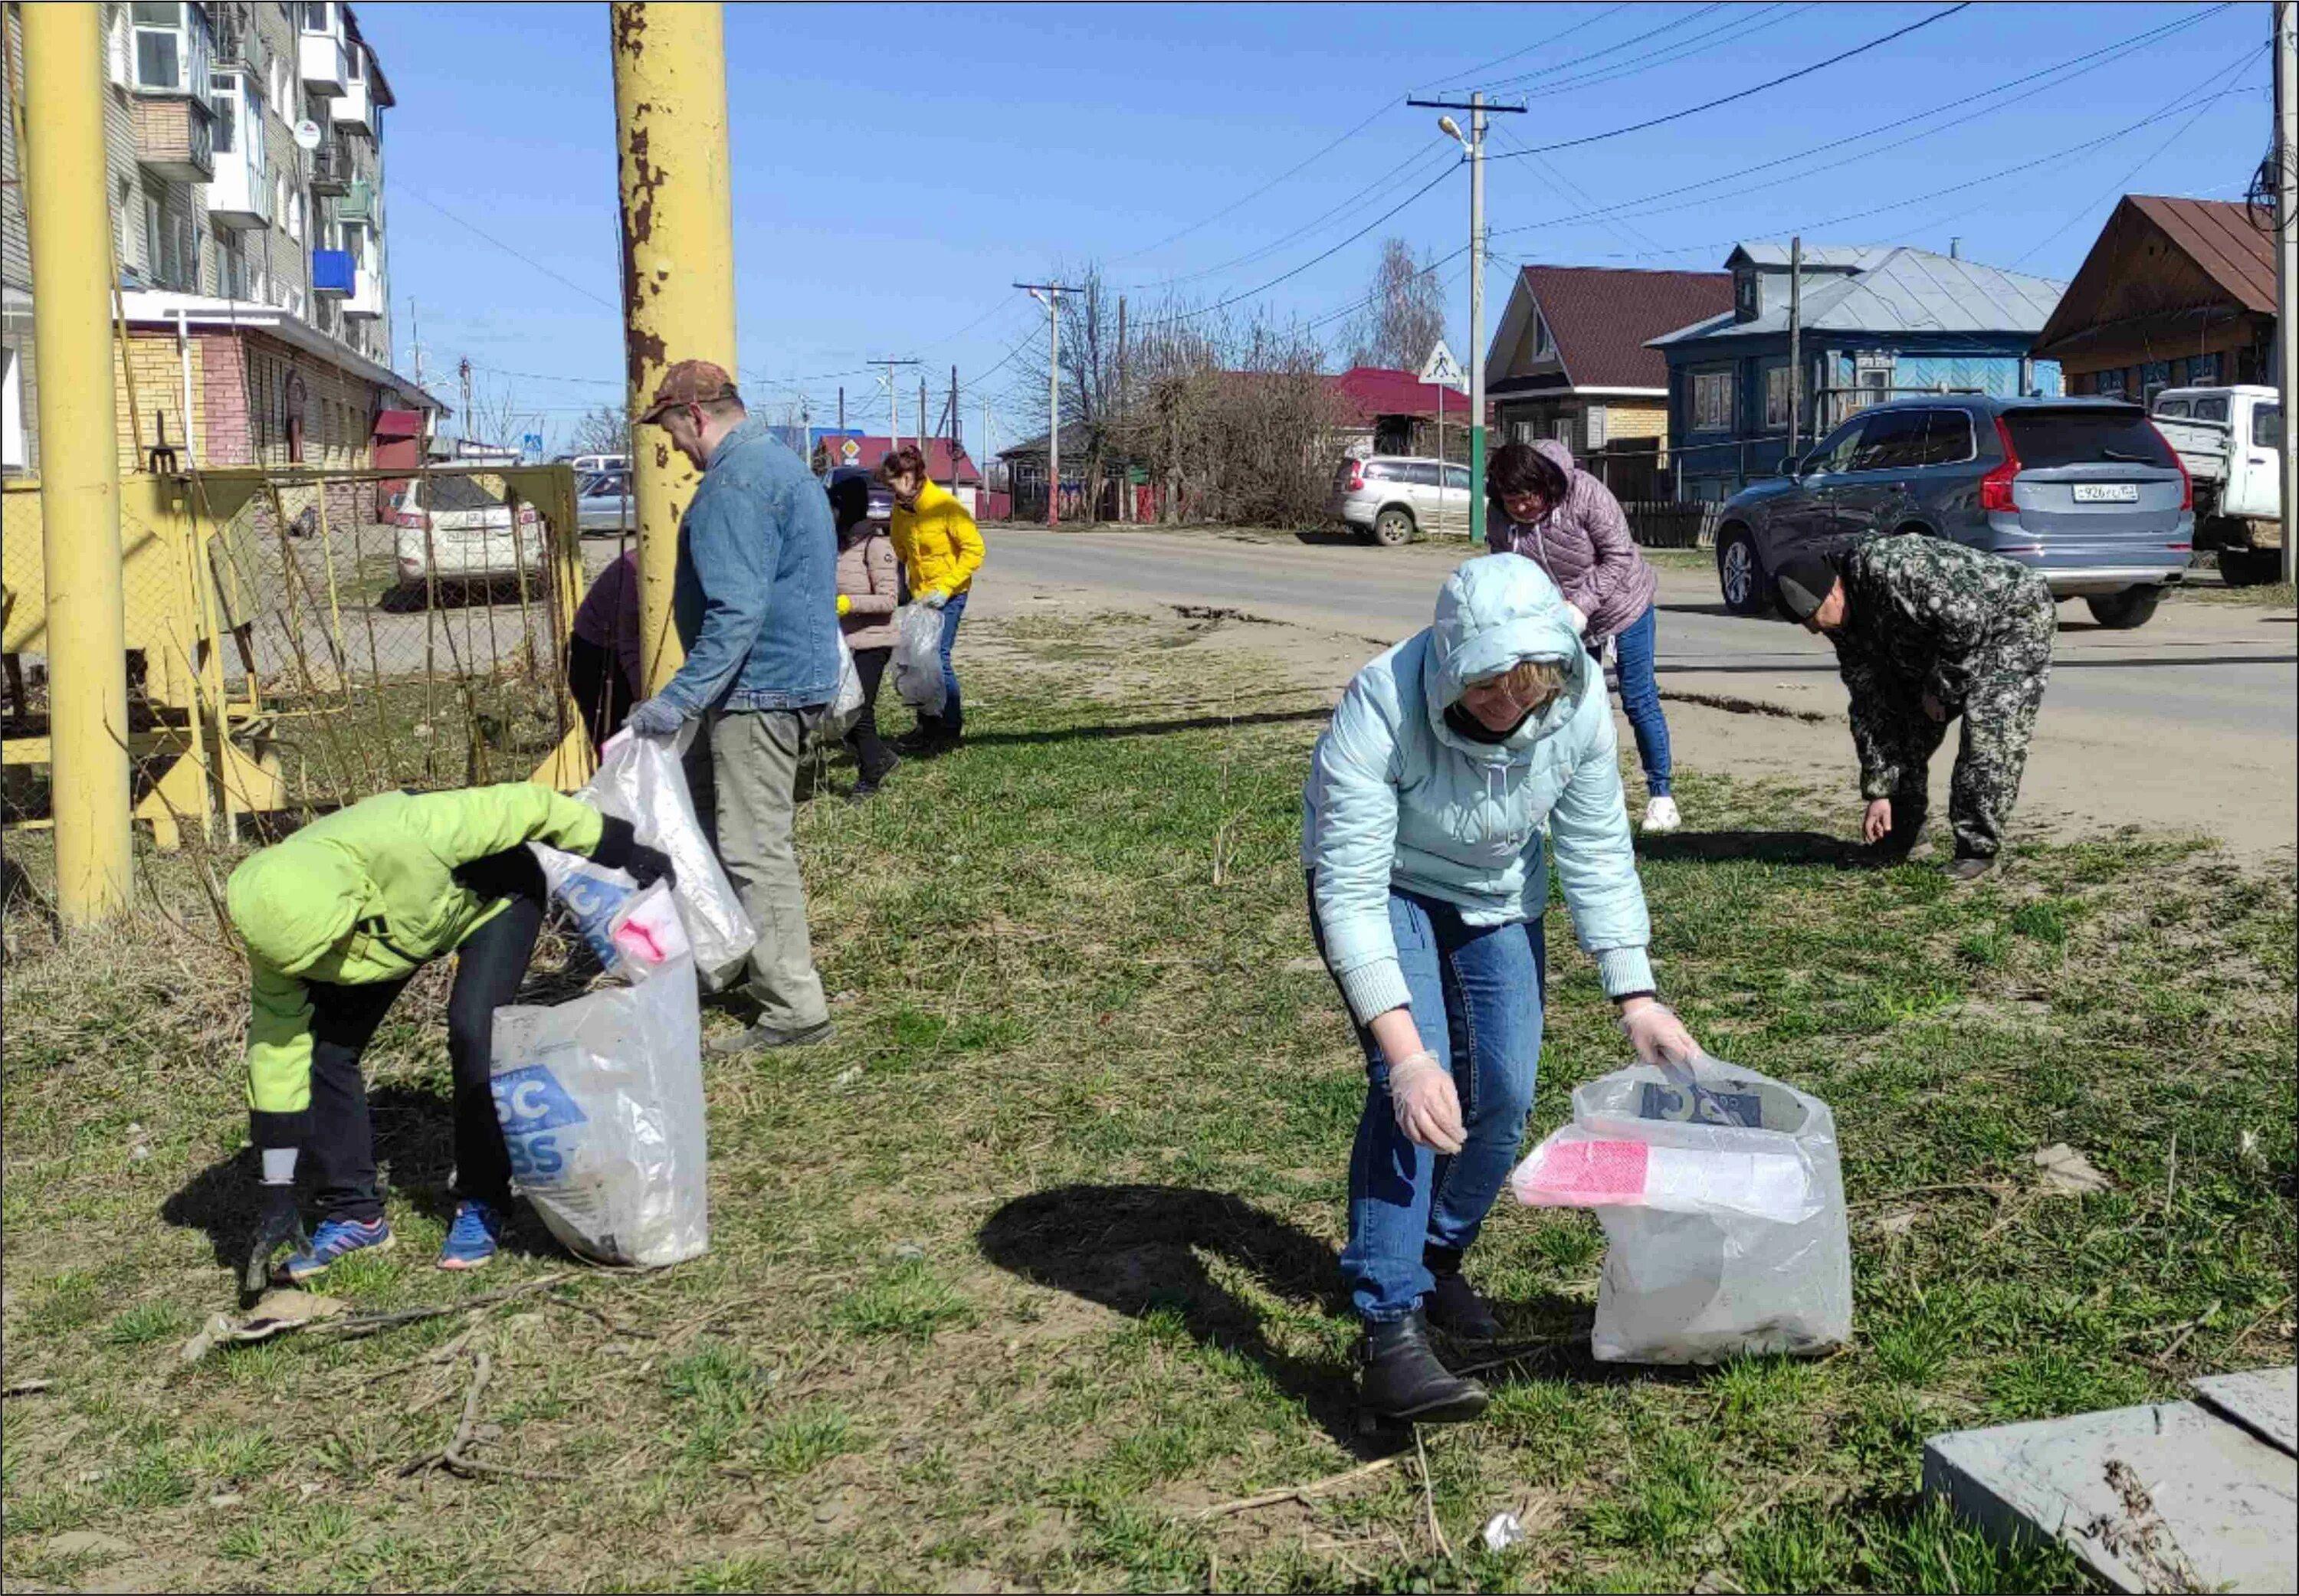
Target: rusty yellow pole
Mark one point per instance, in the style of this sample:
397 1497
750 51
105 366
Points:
66 214
678 260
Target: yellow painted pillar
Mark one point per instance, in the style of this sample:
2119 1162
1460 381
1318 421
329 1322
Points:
678 260
70 223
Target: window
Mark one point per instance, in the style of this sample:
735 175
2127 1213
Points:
1377 471
2174 407
1542 346
317 20
1421 473
2267 426
1712 401
2108 385
355 69
1747 296
1836 454
1521 432
295 216
1947 439
11 412
2211 409
1457 477
1776 399
231 265
1894 441
251 131
226 106
151 252
2045 439
172 46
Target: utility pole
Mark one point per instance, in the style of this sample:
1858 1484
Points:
985 440
1118 413
678 260
953 429
2286 157
1050 294
1473 147
87 634
841 408
1796 341
463 370
893 399
922 414
415 332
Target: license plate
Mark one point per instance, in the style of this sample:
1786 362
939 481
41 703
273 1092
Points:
2107 493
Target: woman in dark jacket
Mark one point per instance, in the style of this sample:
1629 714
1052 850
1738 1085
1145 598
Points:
1569 523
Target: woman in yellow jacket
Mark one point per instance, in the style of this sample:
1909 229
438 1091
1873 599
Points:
940 550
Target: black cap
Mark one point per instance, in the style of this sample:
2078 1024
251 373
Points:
1803 583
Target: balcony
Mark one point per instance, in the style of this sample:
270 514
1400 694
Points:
322 62
239 193
366 301
354 110
175 138
331 168
334 272
236 41
358 202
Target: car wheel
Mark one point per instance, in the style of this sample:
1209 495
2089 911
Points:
2120 612
1740 574
1393 528
2251 568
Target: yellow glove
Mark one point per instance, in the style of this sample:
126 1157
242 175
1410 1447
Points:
845 605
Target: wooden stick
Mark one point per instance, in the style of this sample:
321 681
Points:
26 1387
369 1324
1429 1499
1300 1494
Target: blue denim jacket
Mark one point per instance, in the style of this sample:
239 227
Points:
757 593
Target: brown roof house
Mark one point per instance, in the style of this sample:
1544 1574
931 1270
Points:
2175 294
1569 361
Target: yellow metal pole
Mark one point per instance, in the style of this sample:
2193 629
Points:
79 458
678 260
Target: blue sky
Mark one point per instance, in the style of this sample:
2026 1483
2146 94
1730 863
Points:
895 169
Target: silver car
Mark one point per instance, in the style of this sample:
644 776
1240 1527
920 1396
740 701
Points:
1392 498
603 506
2086 490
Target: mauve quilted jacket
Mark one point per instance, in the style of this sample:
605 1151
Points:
1584 546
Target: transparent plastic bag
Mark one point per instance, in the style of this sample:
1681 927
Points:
1722 1201
640 780
847 707
918 658
600 1101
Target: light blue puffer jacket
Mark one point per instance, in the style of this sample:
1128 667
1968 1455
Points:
1396 799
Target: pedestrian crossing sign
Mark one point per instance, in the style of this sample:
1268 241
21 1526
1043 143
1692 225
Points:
1442 370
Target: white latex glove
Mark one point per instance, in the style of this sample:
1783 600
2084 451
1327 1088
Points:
1576 618
1420 1095
934 598
1656 1032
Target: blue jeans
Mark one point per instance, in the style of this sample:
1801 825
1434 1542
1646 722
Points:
953 717
1640 699
1476 999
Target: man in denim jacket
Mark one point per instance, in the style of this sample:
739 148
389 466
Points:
756 604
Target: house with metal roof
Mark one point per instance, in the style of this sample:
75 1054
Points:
2175 294
1571 360
1874 323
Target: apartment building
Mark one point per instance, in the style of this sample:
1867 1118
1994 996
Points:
252 262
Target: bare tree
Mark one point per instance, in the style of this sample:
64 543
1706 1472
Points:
606 430
1406 315
1090 369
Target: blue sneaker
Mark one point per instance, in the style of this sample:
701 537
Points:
335 1239
474 1237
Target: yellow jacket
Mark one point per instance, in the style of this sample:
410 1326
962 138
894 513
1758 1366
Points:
938 543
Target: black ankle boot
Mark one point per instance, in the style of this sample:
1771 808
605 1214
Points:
1454 1306
1403 1380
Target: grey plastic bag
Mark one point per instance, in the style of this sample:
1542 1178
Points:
1722 1201
918 658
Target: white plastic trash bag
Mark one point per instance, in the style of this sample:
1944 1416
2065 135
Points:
600 1101
640 780
1722 1201
918 658
847 707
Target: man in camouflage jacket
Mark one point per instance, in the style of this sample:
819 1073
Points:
1926 630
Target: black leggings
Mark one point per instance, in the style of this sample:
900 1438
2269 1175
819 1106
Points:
872 756
489 966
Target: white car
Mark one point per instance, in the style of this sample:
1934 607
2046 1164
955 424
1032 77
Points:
1392 498
2228 439
450 528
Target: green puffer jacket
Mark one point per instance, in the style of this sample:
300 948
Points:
365 896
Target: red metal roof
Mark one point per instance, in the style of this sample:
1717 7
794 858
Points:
1601 318
2218 236
868 451
1378 391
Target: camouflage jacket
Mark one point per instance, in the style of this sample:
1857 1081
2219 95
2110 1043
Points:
1924 617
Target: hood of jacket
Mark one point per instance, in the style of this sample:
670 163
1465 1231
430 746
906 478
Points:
1557 454
297 900
1491 613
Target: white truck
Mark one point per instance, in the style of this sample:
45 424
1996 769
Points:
2230 439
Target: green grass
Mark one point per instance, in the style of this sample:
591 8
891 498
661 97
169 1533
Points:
1039 1258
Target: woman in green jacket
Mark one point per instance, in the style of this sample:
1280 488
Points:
335 918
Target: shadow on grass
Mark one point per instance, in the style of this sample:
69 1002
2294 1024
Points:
1209 723
1764 848
1134 1249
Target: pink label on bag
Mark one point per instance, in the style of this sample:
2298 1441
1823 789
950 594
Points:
1574 1173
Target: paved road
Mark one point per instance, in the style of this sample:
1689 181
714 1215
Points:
2189 721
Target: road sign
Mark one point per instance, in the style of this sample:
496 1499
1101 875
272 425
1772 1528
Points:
1441 369
530 447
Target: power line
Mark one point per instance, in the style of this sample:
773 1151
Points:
1732 31
507 248
1550 72
1468 74
1678 116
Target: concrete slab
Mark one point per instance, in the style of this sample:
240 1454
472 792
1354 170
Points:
2167 1497
2263 1401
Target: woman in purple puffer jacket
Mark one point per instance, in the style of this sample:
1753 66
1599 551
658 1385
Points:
1569 523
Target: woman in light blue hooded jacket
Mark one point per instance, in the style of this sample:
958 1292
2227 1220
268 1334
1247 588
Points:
1421 834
